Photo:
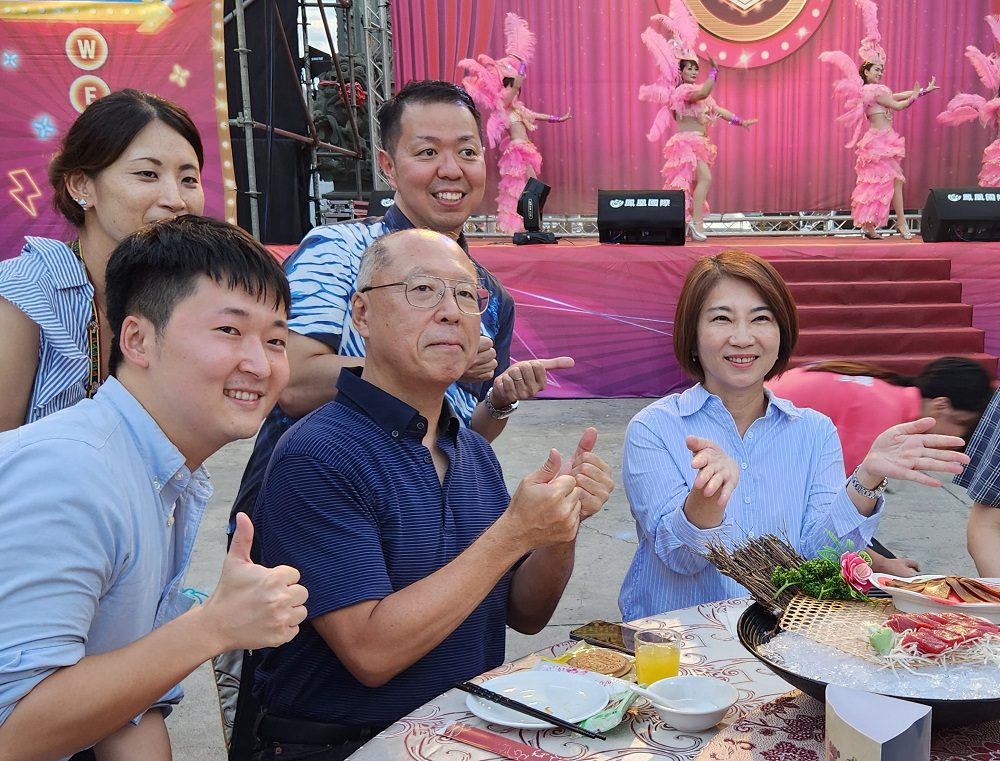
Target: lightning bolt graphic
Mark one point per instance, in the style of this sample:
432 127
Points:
23 182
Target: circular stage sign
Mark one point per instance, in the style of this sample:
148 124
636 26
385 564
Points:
751 33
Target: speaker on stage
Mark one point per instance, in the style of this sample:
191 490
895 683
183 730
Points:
641 216
961 214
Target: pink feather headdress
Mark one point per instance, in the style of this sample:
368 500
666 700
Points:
871 50
683 27
520 46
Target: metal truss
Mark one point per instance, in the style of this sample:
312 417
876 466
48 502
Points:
379 69
811 223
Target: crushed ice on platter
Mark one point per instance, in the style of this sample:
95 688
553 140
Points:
810 659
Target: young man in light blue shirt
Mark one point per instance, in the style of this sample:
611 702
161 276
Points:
101 503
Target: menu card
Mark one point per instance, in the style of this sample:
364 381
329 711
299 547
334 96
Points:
862 726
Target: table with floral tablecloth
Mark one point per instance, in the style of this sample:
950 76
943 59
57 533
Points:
768 722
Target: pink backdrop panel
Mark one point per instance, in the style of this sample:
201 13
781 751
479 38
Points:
58 55
611 307
590 58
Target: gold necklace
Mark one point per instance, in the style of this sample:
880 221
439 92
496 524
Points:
93 328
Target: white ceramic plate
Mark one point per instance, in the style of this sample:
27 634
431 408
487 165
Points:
569 696
914 602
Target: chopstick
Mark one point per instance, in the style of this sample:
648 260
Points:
495 697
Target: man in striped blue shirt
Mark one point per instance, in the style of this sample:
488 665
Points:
414 555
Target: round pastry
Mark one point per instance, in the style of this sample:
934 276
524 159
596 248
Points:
602 661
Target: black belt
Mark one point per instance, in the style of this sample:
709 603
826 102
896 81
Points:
271 728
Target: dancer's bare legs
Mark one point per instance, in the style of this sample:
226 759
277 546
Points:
702 181
897 205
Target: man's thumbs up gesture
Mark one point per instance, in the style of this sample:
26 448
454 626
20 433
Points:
254 606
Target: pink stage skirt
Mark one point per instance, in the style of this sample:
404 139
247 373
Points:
989 175
681 155
519 160
879 152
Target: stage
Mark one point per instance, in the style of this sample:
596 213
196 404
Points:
611 307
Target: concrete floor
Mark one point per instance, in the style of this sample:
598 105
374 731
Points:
924 523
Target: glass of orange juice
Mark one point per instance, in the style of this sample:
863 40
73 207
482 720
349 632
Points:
657 655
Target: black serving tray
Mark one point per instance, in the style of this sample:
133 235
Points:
757 626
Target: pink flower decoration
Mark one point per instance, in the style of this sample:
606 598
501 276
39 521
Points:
856 571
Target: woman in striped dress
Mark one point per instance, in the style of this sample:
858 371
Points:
727 459
129 159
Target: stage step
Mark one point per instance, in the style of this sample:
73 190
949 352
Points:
850 341
879 316
877 292
897 313
907 364
854 270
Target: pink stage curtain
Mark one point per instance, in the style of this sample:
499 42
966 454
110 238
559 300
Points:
590 59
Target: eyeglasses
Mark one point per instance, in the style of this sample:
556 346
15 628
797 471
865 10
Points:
426 292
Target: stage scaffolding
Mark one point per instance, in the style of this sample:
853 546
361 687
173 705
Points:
363 39
364 42
734 225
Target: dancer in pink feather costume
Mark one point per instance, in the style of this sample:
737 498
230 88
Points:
689 154
879 148
965 107
495 86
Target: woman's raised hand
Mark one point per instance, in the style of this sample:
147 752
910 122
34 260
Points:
905 450
718 473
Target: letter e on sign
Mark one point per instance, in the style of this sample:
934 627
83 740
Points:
85 90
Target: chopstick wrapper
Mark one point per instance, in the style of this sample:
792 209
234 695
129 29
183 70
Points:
491 741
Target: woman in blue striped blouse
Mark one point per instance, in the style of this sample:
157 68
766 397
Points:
129 159
726 459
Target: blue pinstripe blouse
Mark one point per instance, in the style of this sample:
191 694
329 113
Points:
791 484
48 283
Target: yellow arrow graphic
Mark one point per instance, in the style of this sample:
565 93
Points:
150 15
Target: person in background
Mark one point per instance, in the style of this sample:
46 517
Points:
689 154
982 479
496 88
965 107
129 159
868 110
728 458
863 400
102 502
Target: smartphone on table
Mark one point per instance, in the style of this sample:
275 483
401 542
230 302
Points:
607 634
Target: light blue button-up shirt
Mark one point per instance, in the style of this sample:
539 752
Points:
98 517
791 484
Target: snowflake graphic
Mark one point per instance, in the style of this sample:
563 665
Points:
10 59
44 127
179 75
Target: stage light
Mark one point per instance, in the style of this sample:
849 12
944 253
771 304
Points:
530 206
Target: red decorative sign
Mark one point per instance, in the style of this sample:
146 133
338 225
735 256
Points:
746 34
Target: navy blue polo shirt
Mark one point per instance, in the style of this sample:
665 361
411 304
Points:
351 499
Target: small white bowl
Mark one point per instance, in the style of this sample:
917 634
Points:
720 694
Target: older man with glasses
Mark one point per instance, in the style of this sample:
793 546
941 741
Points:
414 555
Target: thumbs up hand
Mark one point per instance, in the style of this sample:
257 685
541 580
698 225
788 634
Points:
254 606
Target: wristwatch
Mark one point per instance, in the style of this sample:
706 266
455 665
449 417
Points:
498 413
865 492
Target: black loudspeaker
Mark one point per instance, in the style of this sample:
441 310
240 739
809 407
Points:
379 202
961 214
641 216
